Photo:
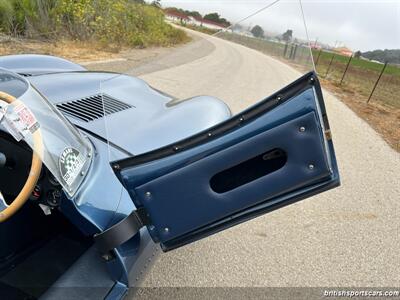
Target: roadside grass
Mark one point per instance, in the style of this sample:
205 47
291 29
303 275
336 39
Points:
73 50
383 118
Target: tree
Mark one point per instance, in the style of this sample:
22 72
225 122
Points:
215 17
237 27
224 22
357 54
257 31
156 3
288 35
193 13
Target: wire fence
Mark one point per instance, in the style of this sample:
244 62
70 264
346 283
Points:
374 81
291 53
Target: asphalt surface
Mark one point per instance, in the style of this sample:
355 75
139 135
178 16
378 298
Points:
349 236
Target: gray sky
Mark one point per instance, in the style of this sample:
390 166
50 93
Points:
360 25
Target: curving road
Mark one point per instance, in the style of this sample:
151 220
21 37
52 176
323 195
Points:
349 236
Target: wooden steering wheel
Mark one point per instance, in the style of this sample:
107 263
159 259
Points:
36 167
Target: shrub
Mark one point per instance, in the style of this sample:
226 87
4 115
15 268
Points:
111 22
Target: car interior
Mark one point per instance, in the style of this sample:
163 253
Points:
37 233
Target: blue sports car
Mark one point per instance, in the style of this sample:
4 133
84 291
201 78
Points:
95 183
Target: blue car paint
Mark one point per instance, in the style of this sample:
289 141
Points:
34 64
149 176
102 200
143 127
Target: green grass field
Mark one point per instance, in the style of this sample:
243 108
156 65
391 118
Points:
356 62
361 77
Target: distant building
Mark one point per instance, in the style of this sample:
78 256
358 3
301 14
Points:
343 51
176 17
316 46
376 61
197 21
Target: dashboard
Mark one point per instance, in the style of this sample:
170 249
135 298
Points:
14 170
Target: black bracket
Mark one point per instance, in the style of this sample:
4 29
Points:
121 232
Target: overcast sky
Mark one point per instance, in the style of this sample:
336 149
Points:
360 25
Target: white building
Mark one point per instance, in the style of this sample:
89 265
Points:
176 17
197 21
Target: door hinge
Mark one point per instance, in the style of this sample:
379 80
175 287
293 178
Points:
121 232
328 134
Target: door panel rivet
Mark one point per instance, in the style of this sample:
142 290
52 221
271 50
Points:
302 129
311 166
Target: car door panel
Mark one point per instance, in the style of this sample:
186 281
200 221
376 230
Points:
269 158
188 188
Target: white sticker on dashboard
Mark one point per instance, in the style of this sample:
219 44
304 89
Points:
71 163
19 120
26 117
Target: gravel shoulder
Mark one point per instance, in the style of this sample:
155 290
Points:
143 61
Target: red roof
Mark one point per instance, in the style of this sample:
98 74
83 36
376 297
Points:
176 14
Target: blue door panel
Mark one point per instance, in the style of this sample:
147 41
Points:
273 154
136 175
183 201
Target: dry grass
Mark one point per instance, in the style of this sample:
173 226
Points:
72 50
362 80
383 118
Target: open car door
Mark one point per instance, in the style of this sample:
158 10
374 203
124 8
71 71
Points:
189 185
273 154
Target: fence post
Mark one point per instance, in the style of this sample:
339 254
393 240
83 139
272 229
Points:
330 64
319 54
294 52
347 67
291 51
285 50
377 81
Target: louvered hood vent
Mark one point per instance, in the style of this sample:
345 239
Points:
91 108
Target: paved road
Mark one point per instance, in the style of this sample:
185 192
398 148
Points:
349 236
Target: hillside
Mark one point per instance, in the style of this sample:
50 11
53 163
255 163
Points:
391 56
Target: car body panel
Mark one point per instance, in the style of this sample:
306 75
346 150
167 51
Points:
149 161
102 200
34 64
154 120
